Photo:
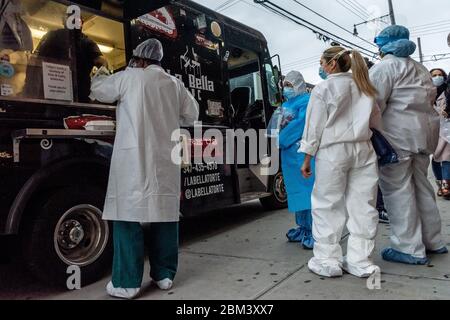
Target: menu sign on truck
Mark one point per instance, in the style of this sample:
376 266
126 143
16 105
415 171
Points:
57 81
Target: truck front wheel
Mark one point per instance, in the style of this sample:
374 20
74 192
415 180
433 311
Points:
278 199
66 229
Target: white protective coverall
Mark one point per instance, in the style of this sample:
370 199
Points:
406 95
144 184
338 133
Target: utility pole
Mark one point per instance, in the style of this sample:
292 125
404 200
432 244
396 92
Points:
419 42
391 13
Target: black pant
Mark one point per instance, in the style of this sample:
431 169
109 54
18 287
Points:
380 201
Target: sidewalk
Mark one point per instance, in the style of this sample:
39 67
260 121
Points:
254 261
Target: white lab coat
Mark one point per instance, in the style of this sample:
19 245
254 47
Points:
338 133
144 183
406 96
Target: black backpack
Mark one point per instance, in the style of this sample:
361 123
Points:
384 150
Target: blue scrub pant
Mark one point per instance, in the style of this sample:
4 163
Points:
441 170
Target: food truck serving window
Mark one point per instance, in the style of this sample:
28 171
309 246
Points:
43 57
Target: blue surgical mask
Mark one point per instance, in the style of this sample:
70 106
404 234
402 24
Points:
288 93
438 81
323 74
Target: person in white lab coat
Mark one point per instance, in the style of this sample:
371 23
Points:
406 96
340 114
144 183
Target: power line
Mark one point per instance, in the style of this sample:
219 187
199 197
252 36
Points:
356 9
279 14
300 64
359 5
314 28
252 5
352 5
435 29
223 5
435 57
430 24
229 6
438 58
437 54
446 28
352 11
303 66
266 10
448 58
297 64
430 33
314 59
332 22
302 60
431 29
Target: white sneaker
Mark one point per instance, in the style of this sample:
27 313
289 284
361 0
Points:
165 284
122 293
361 272
329 270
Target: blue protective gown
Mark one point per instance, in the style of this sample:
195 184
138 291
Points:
298 188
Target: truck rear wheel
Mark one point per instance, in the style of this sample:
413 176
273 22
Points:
278 199
67 230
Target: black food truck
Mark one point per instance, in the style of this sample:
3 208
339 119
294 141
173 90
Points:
55 143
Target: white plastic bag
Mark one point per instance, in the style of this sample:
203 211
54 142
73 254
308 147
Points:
445 129
273 129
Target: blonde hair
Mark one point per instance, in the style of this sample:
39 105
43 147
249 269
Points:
352 59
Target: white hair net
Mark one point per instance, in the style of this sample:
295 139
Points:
150 49
298 82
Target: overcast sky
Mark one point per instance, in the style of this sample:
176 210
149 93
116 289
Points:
300 49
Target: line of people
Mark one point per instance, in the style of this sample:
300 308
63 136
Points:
328 134
339 169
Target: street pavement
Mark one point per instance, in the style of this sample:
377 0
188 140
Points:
254 261
242 254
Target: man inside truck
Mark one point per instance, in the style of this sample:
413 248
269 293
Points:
56 45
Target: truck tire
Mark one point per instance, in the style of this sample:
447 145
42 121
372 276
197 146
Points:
278 199
66 229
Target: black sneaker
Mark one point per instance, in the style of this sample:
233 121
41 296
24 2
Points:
383 217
